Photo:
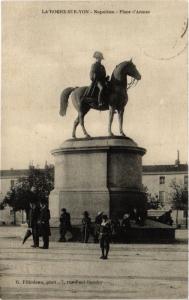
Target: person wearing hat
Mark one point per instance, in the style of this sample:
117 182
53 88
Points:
115 229
98 221
86 227
126 222
105 236
98 75
65 224
33 216
125 226
44 226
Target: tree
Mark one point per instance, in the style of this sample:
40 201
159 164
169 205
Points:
153 201
179 195
41 179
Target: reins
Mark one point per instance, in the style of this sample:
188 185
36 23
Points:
133 83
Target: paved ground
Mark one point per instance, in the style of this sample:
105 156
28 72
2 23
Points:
74 270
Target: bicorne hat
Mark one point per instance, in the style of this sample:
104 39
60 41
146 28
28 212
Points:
98 54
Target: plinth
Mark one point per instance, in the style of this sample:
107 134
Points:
96 174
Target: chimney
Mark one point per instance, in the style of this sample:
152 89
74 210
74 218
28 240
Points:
177 161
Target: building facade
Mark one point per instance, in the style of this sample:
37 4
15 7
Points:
8 178
157 179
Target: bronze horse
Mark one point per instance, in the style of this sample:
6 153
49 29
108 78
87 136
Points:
115 96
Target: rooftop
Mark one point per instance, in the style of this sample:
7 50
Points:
165 168
14 172
146 169
20 172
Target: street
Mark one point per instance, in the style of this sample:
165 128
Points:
74 270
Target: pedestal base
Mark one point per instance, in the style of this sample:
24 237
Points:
96 174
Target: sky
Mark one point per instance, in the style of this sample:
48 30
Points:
44 53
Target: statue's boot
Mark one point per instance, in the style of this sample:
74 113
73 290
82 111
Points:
100 102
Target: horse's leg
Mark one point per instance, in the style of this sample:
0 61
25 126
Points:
77 99
76 122
120 117
81 121
111 116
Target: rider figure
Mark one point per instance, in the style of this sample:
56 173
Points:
98 75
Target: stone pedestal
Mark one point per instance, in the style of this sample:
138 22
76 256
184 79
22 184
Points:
96 174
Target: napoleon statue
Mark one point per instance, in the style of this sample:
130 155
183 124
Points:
98 77
103 94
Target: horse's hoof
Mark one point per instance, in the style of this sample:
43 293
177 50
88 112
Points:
111 134
88 136
123 134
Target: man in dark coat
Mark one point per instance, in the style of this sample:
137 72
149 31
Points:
126 222
65 225
105 236
33 216
125 227
98 221
98 75
44 226
86 227
115 229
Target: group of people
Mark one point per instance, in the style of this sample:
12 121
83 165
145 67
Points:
103 231
38 221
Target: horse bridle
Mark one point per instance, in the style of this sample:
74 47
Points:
133 83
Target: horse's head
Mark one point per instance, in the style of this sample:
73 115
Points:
123 69
132 71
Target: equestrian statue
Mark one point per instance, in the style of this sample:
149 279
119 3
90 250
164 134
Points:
103 94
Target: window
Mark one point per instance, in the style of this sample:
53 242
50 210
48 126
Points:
186 180
12 183
162 197
162 179
185 214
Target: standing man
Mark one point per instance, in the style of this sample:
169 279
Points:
86 227
126 222
105 236
65 224
115 229
44 226
33 216
98 75
125 226
98 221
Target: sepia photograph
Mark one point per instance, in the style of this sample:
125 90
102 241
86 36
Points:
94 150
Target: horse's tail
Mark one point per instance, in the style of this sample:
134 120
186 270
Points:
64 100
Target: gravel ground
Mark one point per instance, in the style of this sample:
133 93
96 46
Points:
74 270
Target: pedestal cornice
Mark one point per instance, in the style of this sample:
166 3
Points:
99 144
